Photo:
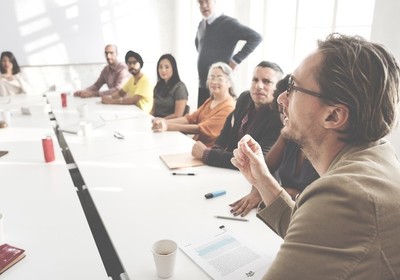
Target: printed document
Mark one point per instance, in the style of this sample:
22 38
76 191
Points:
225 256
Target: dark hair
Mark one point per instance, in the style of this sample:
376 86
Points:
280 87
175 74
272 65
364 77
135 55
13 60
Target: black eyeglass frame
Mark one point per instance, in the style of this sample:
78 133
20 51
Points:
291 87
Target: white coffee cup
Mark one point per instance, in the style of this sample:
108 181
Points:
2 238
164 254
83 110
86 128
6 114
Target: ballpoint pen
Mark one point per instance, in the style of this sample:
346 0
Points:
232 218
182 173
118 135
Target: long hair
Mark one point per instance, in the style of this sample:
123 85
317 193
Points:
175 74
13 60
364 77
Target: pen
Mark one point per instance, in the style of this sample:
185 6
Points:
232 218
187 174
118 135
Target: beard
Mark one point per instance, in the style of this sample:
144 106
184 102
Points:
133 71
309 138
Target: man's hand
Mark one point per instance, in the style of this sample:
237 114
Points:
84 93
159 125
107 99
249 159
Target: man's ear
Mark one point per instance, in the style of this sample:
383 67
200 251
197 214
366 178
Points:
336 117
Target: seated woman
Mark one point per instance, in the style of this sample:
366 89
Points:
287 161
11 82
206 123
170 93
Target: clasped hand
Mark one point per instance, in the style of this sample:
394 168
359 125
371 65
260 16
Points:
249 159
159 124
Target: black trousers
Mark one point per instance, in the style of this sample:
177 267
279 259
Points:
204 93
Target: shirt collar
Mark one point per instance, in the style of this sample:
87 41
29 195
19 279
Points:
213 17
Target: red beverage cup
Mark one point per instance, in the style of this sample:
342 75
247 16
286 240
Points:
63 100
48 149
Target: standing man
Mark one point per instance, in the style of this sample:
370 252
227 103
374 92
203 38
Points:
216 39
115 74
339 105
138 90
254 114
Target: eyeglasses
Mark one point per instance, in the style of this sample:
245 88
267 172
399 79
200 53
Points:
216 79
291 87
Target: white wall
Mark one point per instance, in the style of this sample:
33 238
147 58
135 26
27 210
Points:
385 30
62 41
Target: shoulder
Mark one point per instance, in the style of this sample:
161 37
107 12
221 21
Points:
145 79
179 86
225 18
120 66
244 97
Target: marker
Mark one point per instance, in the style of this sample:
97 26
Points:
186 174
232 218
214 194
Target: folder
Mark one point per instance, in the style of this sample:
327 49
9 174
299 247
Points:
181 160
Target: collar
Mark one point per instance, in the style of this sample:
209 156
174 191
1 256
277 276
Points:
213 17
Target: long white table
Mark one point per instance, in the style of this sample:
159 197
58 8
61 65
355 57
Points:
42 212
138 198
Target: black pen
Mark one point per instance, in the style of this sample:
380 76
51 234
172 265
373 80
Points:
187 174
118 135
232 218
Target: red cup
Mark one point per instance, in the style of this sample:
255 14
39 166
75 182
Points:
48 149
63 100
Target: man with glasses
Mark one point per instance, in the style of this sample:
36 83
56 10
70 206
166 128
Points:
115 74
138 90
216 39
340 103
254 114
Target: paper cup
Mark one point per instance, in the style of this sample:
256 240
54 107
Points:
164 254
83 110
86 128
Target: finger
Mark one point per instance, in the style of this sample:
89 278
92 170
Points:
248 152
245 212
235 203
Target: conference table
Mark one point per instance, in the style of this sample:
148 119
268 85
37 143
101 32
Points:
42 212
137 196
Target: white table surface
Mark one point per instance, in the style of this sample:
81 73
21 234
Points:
42 212
140 201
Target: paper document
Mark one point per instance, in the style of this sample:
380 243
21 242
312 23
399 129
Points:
225 256
181 160
120 116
